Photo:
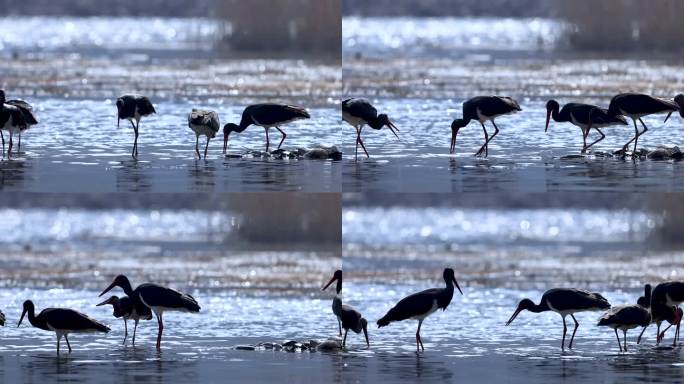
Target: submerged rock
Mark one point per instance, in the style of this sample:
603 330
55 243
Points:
330 345
664 153
318 152
245 348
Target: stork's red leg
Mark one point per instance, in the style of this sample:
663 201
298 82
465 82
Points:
267 142
595 142
618 339
641 334
284 136
565 330
67 340
361 142
574 331
161 328
486 135
419 341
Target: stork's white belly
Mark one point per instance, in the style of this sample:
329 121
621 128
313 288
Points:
354 121
278 124
483 118
428 313
202 130
571 311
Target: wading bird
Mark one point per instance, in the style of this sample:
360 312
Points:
671 294
626 317
134 107
15 116
579 115
203 122
267 116
359 113
419 306
158 298
637 105
564 301
61 321
483 109
124 308
29 118
347 317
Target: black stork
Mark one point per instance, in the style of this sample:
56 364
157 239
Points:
359 113
62 321
347 317
268 116
419 306
671 294
637 105
15 116
626 317
124 308
29 118
203 122
659 313
581 115
483 109
134 107
158 298
564 301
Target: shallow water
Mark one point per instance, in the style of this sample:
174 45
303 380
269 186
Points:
90 154
522 157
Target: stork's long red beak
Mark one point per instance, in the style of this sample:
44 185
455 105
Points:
329 282
225 142
548 119
452 148
515 314
112 285
21 318
392 127
103 303
457 287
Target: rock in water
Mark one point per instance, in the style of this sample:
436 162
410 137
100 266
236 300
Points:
330 345
245 348
664 153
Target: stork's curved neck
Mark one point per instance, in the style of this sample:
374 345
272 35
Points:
375 123
555 115
126 286
337 304
31 315
536 308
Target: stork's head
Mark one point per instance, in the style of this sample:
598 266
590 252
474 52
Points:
551 107
386 122
450 278
28 308
119 281
337 276
227 130
114 301
523 305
